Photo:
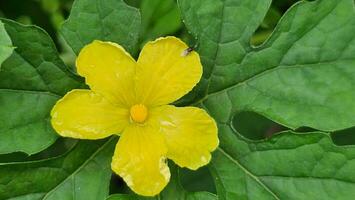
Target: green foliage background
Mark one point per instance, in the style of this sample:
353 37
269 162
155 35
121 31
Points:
279 79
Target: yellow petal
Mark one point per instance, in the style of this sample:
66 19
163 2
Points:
166 72
108 70
86 115
140 160
191 134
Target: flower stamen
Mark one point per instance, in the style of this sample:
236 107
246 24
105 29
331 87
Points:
139 113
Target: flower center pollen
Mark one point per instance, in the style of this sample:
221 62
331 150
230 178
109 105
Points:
139 113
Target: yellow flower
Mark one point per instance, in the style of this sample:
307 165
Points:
130 98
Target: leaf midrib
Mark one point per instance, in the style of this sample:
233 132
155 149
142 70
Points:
10 90
270 70
79 168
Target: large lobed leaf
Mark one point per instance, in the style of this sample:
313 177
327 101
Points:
303 75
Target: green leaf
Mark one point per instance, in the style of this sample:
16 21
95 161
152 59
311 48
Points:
288 166
302 76
32 79
82 173
172 191
24 128
159 18
107 20
6 47
310 79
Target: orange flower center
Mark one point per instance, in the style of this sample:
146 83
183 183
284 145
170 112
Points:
139 113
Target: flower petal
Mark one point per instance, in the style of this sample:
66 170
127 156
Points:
166 71
191 134
86 115
140 160
108 70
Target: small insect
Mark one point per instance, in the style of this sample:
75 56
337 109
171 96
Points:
187 51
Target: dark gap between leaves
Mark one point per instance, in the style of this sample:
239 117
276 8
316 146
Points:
344 137
270 21
254 126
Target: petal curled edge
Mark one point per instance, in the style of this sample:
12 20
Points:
84 114
140 160
108 70
191 134
166 72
